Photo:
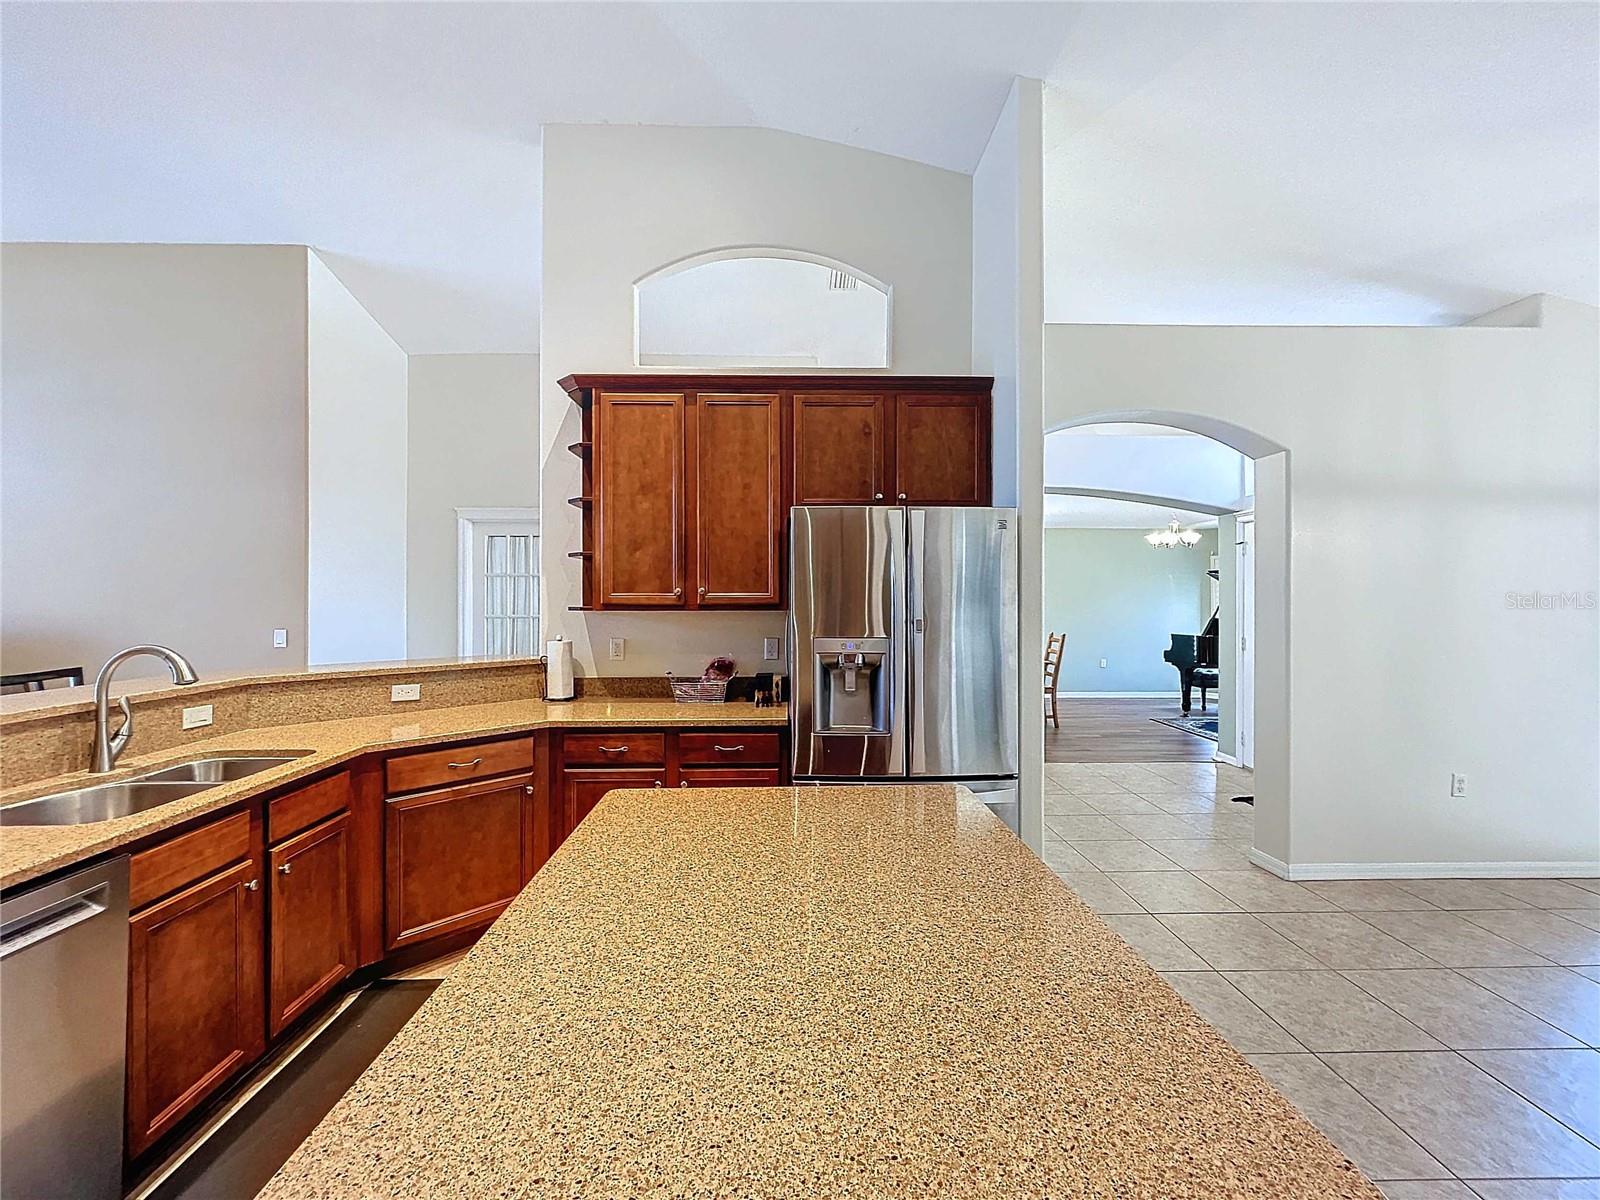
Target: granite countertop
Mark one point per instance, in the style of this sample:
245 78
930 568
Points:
29 851
808 992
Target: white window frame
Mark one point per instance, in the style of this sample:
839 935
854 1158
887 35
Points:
471 525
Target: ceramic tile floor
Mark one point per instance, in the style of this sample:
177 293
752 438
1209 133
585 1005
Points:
1443 1032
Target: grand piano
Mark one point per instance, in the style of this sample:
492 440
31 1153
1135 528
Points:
1195 656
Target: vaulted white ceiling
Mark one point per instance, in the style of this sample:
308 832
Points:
1209 162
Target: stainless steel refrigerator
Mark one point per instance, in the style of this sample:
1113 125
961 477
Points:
903 636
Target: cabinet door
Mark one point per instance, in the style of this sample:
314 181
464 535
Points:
738 500
942 449
639 500
312 939
841 449
582 790
454 857
730 777
195 1004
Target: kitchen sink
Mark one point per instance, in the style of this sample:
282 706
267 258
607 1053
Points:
104 801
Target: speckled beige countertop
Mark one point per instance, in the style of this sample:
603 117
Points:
29 851
809 992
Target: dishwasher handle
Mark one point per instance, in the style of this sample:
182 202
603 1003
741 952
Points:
53 918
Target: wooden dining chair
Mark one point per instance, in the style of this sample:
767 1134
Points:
1054 646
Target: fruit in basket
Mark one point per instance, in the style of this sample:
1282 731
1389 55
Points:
718 668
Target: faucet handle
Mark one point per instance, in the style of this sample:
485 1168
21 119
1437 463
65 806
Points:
120 738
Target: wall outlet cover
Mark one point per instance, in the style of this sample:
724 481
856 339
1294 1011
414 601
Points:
617 647
1103 663
280 638
1458 787
197 717
771 649
405 691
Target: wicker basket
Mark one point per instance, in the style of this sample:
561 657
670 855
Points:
699 691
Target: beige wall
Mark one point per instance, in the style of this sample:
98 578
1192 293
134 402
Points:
356 478
474 434
622 201
154 454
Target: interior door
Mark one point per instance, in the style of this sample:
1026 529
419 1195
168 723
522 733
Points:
841 449
738 500
639 503
1245 670
962 677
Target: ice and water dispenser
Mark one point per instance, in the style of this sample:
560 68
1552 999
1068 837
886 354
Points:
850 685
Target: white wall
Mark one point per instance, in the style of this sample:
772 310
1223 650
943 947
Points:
1007 332
1179 466
356 478
474 433
623 201
154 454
1430 472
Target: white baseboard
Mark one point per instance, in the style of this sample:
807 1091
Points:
1119 696
1229 759
1426 870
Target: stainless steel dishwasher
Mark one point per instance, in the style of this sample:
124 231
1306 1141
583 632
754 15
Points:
63 1042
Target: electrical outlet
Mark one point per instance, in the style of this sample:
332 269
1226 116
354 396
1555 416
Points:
280 638
405 691
197 717
1103 664
1458 787
771 649
617 647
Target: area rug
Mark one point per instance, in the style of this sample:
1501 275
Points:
1205 727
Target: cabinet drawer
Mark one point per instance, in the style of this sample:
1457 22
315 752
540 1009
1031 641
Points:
174 864
623 748
301 809
458 764
714 749
734 777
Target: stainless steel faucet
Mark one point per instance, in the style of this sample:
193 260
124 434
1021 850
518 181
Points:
108 745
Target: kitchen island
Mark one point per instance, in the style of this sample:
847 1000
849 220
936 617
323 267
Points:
793 992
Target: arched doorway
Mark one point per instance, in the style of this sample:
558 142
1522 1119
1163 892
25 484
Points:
1262 600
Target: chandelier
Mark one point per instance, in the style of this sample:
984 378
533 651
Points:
1174 535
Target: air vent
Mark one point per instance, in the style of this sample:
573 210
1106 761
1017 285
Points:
841 281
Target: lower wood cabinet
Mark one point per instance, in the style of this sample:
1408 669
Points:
584 789
195 1013
454 858
313 936
729 777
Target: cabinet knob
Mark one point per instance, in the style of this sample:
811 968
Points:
877 495
902 495
528 788
702 591
285 868
660 784
683 783
252 885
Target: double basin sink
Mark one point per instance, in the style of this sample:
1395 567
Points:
104 801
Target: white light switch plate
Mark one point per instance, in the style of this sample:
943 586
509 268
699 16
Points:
280 638
771 649
405 691
1102 662
197 717
617 647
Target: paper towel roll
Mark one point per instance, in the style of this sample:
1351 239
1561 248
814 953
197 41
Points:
558 670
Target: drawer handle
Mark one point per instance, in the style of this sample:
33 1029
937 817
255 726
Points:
285 868
463 766
727 749
613 749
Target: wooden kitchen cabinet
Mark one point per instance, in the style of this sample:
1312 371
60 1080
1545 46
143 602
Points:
454 857
640 500
583 789
196 1004
738 511
729 777
841 448
313 932
941 451
688 479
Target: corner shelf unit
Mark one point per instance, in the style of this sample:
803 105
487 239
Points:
583 449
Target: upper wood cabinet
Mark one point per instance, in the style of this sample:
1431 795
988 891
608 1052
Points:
738 506
688 479
941 449
640 497
841 448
